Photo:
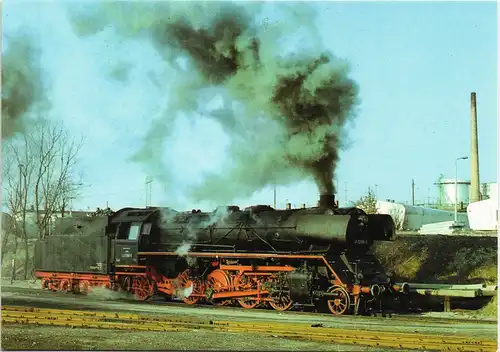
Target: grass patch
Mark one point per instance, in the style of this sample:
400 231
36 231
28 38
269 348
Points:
487 272
410 267
445 260
440 259
491 309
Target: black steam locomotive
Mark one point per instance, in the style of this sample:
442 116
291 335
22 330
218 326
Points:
252 257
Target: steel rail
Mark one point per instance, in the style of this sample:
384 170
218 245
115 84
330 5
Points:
354 339
394 316
292 327
416 319
62 313
139 319
288 330
132 316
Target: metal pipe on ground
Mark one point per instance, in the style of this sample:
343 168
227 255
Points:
447 286
488 293
448 293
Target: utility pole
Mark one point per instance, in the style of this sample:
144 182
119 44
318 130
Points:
71 206
274 194
456 186
148 184
22 207
20 181
345 192
412 192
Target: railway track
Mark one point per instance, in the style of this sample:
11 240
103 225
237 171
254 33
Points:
394 317
302 331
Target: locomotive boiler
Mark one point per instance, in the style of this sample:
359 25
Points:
253 257
262 228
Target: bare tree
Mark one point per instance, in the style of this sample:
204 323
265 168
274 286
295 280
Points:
55 179
368 203
7 232
46 157
16 188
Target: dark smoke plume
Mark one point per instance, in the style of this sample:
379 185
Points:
287 113
21 82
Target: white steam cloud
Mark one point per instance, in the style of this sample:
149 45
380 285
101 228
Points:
284 107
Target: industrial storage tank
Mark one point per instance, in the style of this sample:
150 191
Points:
447 192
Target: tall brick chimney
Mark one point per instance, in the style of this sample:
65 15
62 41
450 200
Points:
475 194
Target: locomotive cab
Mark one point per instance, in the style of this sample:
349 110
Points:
130 230
129 238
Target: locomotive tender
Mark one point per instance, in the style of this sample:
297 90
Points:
285 258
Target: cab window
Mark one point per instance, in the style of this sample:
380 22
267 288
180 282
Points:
133 232
123 230
146 228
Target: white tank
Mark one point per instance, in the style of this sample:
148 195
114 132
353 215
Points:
447 195
483 215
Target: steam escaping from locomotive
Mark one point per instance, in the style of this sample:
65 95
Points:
183 249
283 111
181 293
105 294
192 224
21 82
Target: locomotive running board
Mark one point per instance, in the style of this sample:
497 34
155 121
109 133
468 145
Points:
247 255
239 294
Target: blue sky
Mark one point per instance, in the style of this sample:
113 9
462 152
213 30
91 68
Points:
416 65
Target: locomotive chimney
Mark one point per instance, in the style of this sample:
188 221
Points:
327 201
475 195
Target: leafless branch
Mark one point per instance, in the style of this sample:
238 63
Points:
47 177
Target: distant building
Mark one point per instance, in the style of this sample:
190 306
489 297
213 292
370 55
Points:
6 222
489 190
